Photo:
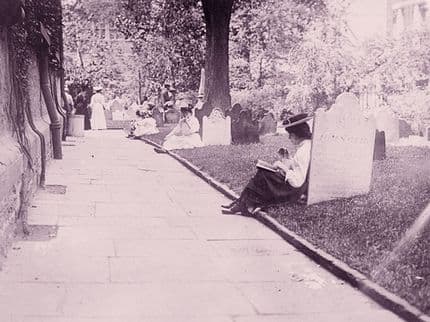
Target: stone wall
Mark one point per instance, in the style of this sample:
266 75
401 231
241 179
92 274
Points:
19 177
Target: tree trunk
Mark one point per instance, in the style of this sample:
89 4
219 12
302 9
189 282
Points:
217 15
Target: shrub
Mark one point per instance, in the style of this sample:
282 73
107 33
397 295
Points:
268 98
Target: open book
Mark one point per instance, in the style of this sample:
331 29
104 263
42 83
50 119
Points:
266 166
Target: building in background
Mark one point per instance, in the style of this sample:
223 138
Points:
370 18
407 14
96 49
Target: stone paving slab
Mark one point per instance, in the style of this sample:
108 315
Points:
270 298
142 239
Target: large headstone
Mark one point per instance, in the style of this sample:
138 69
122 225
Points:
380 146
268 124
216 129
244 129
342 151
247 128
386 121
405 129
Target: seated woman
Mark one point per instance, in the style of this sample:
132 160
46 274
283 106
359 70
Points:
144 125
288 180
185 135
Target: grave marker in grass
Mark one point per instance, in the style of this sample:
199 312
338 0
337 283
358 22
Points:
342 151
216 128
389 123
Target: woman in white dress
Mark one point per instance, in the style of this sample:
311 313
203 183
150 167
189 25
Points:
98 120
185 135
143 126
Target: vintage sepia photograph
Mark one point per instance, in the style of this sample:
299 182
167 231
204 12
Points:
214 160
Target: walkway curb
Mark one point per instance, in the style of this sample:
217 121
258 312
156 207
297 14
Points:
356 279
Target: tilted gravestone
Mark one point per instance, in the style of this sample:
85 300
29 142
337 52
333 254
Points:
386 121
342 151
380 146
216 128
405 129
268 124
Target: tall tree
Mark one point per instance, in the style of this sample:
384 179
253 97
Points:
217 15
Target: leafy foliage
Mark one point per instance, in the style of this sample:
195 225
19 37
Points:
263 32
323 63
92 49
168 38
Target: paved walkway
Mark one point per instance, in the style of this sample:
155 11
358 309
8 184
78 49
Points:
142 239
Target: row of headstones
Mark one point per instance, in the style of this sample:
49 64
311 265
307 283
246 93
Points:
394 127
343 146
238 125
247 129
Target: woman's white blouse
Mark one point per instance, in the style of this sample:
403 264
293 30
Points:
296 174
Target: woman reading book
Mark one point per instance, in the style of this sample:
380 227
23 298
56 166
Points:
185 135
283 181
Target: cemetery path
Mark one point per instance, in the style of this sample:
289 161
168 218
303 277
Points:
142 239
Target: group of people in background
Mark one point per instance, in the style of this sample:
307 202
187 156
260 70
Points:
91 107
286 181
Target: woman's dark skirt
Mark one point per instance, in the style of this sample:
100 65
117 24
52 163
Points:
268 187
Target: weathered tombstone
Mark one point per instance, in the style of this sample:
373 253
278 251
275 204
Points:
268 124
234 112
158 116
216 128
342 151
116 105
405 129
380 146
118 115
386 121
245 129
130 114
427 136
172 115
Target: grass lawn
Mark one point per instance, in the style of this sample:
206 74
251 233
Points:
361 231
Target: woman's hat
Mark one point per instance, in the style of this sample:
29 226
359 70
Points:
98 88
297 124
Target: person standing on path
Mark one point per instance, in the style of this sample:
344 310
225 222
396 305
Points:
98 120
82 108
